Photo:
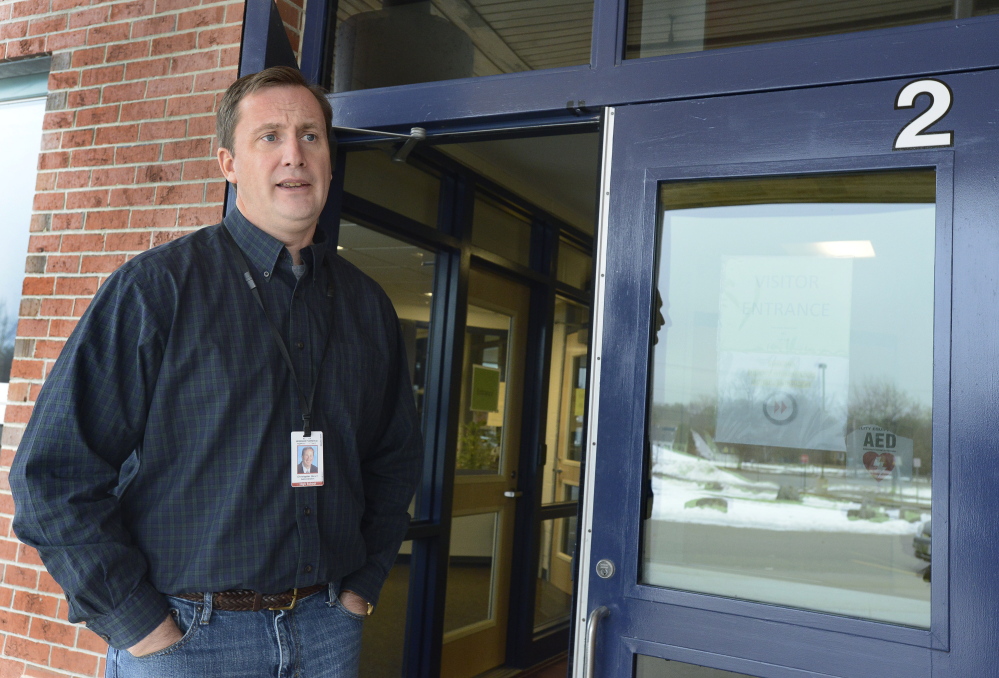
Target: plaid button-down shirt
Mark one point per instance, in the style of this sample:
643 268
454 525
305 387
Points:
157 459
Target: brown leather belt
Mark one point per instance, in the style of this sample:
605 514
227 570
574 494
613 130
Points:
252 601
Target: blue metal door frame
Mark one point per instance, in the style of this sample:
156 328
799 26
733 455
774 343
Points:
560 95
610 80
837 128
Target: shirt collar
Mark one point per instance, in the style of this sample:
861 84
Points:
263 250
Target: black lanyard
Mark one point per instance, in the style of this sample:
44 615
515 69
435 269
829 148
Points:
306 403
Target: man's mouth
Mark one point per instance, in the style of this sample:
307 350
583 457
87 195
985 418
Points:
293 184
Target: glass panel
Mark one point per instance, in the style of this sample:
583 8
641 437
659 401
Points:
402 42
397 186
654 667
21 139
555 173
575 267
553 597
659 27
790 423
406 273
470 572
384 634
566 399
485 377
501 231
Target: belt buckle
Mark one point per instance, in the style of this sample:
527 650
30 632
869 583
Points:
294 599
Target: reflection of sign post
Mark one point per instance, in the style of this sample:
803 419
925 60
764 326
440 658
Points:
485 389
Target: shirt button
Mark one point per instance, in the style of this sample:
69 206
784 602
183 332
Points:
308 568
267 274
308 511
299 344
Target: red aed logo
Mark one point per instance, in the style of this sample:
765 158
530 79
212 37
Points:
879 465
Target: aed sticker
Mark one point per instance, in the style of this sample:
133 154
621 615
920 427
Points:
306 459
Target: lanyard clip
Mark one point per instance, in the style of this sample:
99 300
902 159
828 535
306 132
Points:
307 425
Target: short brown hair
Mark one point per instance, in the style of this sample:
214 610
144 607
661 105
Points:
277 76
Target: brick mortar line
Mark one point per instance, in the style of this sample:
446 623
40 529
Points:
117 3
51 644
136 208
101 86
49 669
120 123
130 40
35 615
30 566
46 669
220 46
145 184
165 97
129 20
128 145
114 3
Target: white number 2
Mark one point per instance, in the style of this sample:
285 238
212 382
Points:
941 99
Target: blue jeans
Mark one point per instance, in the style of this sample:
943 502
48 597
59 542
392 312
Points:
320 638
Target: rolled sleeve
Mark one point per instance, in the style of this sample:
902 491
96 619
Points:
64 478
133 620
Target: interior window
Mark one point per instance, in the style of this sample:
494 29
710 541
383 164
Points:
381 43
661 27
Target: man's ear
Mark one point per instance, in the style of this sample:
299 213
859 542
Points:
228 164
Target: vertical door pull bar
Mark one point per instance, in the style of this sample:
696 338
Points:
591 639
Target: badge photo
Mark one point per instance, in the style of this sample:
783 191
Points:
306 459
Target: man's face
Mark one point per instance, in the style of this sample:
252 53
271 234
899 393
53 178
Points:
281 160
307 455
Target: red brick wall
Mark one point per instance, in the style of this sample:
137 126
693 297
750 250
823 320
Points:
127 162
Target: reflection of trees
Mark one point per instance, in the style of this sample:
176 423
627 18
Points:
697 416
878 403
883 404
8 329
745 386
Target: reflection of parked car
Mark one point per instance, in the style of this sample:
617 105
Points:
921 542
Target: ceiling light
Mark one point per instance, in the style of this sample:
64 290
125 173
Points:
836 249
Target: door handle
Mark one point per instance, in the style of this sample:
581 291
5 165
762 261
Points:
513 494
589 657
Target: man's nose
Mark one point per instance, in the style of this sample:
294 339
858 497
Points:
293 155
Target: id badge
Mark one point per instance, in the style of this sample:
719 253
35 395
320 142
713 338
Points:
306 459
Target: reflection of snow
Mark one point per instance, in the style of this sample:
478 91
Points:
679 478
708 451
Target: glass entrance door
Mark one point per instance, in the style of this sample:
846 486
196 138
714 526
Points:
485 483
774 381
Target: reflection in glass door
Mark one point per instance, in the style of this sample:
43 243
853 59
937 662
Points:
485 489
791 392
564 445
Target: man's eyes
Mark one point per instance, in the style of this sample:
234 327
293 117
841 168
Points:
308 136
